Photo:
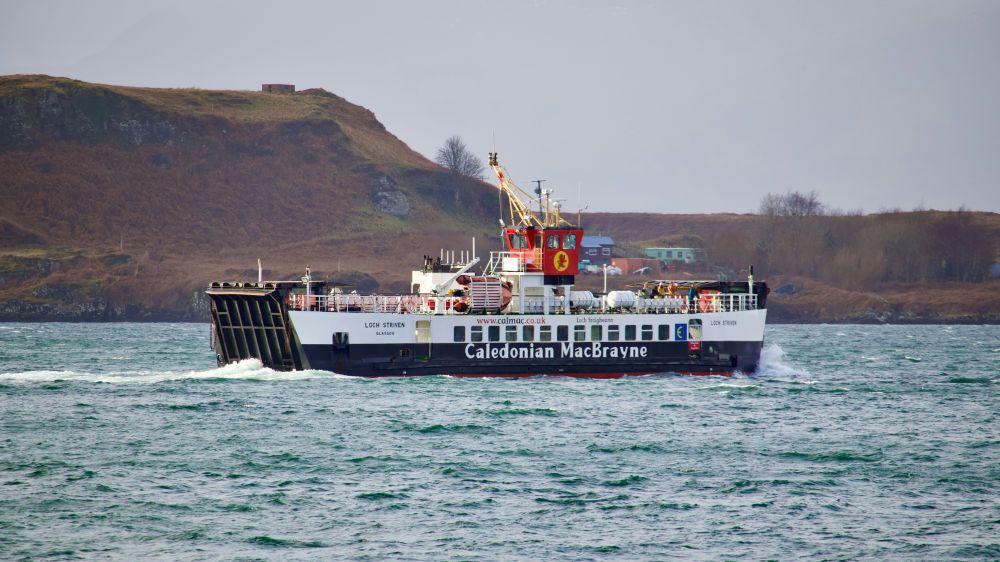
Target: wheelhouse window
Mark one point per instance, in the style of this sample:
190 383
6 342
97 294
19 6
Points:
552 241
613 332
569 241
518 241
493 332
528 333
459 333
476 333
579 333
545 333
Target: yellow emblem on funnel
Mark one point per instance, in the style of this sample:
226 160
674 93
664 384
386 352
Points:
560 261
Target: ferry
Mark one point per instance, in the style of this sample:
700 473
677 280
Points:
512 313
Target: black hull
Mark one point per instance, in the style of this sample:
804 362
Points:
714 358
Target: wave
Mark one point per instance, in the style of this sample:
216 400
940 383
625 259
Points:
248 369
772 364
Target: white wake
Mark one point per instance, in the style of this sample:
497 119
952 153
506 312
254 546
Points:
248 369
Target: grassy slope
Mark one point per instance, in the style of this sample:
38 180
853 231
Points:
215 180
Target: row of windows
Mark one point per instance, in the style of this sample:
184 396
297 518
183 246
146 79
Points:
519 242
614 332
678 254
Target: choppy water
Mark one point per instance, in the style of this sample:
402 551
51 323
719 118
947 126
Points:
123 441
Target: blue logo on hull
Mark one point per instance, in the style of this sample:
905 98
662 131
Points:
680 332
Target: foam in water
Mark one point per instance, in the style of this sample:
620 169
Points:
248 369
771 364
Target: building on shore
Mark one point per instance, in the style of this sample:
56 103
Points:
674 255
597 249
278 88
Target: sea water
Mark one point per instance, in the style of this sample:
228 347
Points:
124 441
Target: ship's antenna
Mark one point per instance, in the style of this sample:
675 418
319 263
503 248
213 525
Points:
538 192
580 207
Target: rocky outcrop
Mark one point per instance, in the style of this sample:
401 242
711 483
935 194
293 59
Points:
80 112
16 270
388 198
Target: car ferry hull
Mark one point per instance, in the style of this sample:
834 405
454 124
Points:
253 321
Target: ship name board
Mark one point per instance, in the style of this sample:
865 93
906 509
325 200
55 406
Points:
384 328
385 324
595 350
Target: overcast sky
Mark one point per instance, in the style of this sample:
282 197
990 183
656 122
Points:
699 106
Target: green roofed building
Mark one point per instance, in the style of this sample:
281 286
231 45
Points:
686 255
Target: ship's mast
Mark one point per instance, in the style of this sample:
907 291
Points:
521 215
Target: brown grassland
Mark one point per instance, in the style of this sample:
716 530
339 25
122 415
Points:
123 203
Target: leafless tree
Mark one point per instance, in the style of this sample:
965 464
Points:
772 204
792 204
804 204
454 156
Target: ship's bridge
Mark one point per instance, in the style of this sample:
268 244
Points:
537 263
553 251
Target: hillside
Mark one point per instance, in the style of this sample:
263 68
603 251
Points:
131 199
122 203
899 267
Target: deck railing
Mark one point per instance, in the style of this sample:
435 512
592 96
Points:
722 302
513 261
423 304
352 302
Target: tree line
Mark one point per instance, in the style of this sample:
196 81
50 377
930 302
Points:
796 234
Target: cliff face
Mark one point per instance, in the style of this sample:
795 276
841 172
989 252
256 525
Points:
140 196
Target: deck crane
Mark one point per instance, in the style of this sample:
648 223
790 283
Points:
543 248
521 215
